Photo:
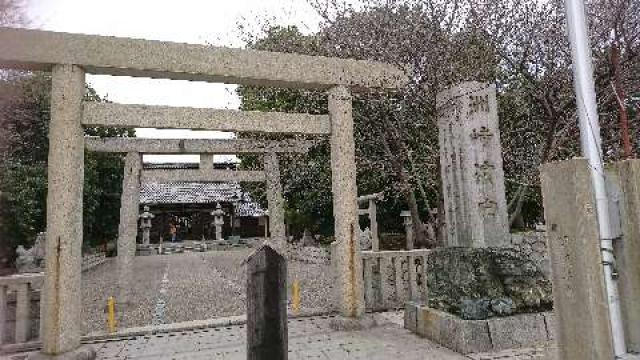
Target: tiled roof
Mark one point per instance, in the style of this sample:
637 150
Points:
170 166
174 166
200 193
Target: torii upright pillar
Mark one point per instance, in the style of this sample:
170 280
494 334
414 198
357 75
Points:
274 197
128 229
348 264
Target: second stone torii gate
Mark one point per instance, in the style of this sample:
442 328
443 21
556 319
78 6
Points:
135 176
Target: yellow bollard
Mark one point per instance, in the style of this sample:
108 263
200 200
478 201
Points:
111 314
295 290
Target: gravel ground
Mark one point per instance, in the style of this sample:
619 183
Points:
197 286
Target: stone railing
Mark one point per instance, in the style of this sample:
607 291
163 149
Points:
19 308
393 277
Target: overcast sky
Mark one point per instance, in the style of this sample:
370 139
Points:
190 21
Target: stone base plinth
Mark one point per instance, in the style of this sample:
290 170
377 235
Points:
84 352
342 323
473 336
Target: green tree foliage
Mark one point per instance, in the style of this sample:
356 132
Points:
24 120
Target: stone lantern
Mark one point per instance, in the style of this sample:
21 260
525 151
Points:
218 220
145 225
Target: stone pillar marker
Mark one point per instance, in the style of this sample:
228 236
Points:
61 301
128 228
580 299
267 337
349 284
274 197
471 166
408 228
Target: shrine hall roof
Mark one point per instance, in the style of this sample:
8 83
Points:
200 193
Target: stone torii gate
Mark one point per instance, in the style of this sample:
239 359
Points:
70 56
135 176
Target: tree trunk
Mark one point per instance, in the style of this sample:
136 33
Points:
422 237
618 88
515 206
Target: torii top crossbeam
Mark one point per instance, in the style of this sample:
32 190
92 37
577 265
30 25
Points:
39 50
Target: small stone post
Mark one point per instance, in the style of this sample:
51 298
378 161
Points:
274 197
373 220
408 228
61 302
580 299
265 219
349 277
471 166
128 228
266 305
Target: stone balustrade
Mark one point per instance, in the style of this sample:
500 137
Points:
393 277
19 307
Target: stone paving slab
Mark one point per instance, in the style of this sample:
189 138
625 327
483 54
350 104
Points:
309 338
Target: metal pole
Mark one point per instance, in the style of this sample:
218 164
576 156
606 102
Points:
591 149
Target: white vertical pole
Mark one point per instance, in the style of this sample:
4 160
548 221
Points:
592 150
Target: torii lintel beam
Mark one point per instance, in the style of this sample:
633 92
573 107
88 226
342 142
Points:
195 146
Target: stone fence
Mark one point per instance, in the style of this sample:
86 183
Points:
20 303
19 308
392 278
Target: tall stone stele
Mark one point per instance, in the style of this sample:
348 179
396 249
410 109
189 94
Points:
471 166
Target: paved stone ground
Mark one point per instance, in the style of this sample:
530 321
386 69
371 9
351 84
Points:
309 338
189 286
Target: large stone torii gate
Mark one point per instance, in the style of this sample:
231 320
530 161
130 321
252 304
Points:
69 56
135 176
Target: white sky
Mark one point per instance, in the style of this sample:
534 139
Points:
190 21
